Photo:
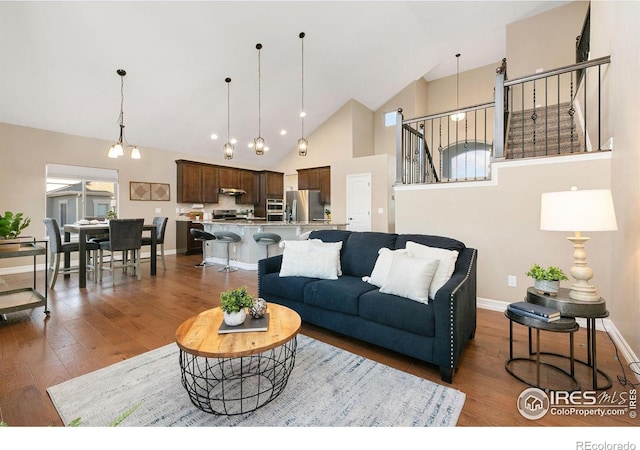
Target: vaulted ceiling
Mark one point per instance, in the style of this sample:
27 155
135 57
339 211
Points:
59 61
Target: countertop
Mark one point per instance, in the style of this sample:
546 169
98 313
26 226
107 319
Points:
262 223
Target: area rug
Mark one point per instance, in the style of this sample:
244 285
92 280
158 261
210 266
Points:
329 387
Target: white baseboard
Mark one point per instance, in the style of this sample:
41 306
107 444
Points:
605 325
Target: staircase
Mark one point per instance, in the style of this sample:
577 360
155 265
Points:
549 131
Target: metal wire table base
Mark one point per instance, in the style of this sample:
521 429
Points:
231 386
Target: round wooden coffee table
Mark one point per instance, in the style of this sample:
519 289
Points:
236 373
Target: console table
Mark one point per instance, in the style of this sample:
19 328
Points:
589 310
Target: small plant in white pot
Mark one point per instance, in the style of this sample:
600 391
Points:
546 281
11 225
234 303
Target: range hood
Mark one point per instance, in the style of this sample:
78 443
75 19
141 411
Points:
231 191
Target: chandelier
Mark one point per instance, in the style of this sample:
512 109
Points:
117 149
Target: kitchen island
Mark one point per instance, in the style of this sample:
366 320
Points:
246 253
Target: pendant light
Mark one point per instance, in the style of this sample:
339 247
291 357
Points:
117 149
303 144
228 147
258 143
459 115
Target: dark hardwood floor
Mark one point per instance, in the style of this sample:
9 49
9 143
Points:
107 323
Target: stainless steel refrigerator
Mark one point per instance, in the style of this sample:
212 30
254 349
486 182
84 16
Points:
304 206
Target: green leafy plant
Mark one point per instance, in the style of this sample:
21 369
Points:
234 300
111 214
551 273
11 225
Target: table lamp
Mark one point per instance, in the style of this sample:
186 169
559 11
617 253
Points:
578 211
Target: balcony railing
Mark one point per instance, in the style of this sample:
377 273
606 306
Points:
551 113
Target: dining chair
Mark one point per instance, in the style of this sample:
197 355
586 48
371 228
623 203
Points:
57 248
161 226
125 235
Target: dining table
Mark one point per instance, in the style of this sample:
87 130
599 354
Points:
85 231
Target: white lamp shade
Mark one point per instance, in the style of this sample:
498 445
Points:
588 210
135 153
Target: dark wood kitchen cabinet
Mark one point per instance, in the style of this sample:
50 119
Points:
210 183
185 243
229 177
324 174
272 184
197 182
316 178
249 183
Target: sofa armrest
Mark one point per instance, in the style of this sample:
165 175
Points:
267 266
455 310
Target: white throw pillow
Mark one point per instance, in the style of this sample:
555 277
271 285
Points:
313 258
446 266
297 245
410 277
316 245
382 266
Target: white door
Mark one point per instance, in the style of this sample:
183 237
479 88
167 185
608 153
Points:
359 202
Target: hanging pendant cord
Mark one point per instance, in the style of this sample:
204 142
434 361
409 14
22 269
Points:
259 95
228 110
302 83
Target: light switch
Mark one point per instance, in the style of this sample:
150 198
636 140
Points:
158 210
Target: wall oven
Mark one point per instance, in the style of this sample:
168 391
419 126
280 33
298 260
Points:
275 210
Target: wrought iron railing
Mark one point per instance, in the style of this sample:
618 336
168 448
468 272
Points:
550 113
450 146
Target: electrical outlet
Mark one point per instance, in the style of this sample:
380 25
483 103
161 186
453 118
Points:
512 281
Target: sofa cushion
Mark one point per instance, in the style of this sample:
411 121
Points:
397 312
339 295
410 277
382 266
330 235
447 263
360 251
317 260
287 287
431 241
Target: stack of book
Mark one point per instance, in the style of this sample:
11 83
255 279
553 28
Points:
535 311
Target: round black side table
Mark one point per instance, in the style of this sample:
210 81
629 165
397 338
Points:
562 325
589 310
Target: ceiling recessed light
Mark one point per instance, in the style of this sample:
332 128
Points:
266 149
234 141
283 132
303 114
250 145
214 136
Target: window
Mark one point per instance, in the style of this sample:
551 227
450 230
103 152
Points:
75 192
390 119
466 161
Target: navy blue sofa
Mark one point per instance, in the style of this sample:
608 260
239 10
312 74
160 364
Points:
435 333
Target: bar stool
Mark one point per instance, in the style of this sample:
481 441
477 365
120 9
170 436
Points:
227 237
266 239
202 236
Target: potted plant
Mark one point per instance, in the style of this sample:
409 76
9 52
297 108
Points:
546 281
111 214
234 303
11 225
